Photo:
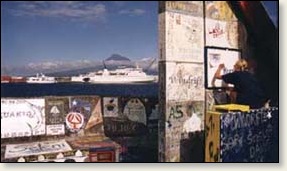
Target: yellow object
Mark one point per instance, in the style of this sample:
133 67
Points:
231 107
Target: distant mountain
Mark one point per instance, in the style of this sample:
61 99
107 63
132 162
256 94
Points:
117 57
59 68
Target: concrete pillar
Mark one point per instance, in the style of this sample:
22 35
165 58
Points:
181 75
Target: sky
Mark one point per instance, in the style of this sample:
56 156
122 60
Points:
41 31
272 9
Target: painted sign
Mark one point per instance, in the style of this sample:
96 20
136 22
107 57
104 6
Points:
74 121
57 129
222 33
22 117
56 108
36 148
135 111
185 82
81 109
111 107
96 118
184 38
215 57
248 137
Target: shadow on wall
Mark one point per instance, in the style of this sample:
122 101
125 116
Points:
192 147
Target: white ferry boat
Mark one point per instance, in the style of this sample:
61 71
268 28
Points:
41 78
118 76
79 78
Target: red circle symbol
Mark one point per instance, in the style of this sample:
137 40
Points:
74 120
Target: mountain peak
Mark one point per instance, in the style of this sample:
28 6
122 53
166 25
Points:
117 57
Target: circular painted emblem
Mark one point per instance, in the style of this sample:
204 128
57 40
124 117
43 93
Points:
74 121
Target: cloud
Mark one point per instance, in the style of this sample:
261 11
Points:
133 12
62 9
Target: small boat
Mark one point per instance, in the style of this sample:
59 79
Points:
41 78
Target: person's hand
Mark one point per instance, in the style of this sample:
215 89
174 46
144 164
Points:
221 66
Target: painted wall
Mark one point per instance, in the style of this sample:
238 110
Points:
130 122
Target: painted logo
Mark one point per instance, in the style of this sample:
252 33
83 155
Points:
74 121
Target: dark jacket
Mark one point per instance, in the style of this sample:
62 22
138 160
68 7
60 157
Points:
249 91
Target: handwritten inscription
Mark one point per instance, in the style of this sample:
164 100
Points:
189 80
247 137
36 148
56 129
26 115
216 31
235 122
124 128
17 114
176 112
185 82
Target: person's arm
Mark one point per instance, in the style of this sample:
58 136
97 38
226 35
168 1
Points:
217 74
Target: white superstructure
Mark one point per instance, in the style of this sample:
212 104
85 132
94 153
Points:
119 76
41 78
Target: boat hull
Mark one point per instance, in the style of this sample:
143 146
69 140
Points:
41 82
121 80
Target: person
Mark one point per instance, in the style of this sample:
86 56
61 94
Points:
248 89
